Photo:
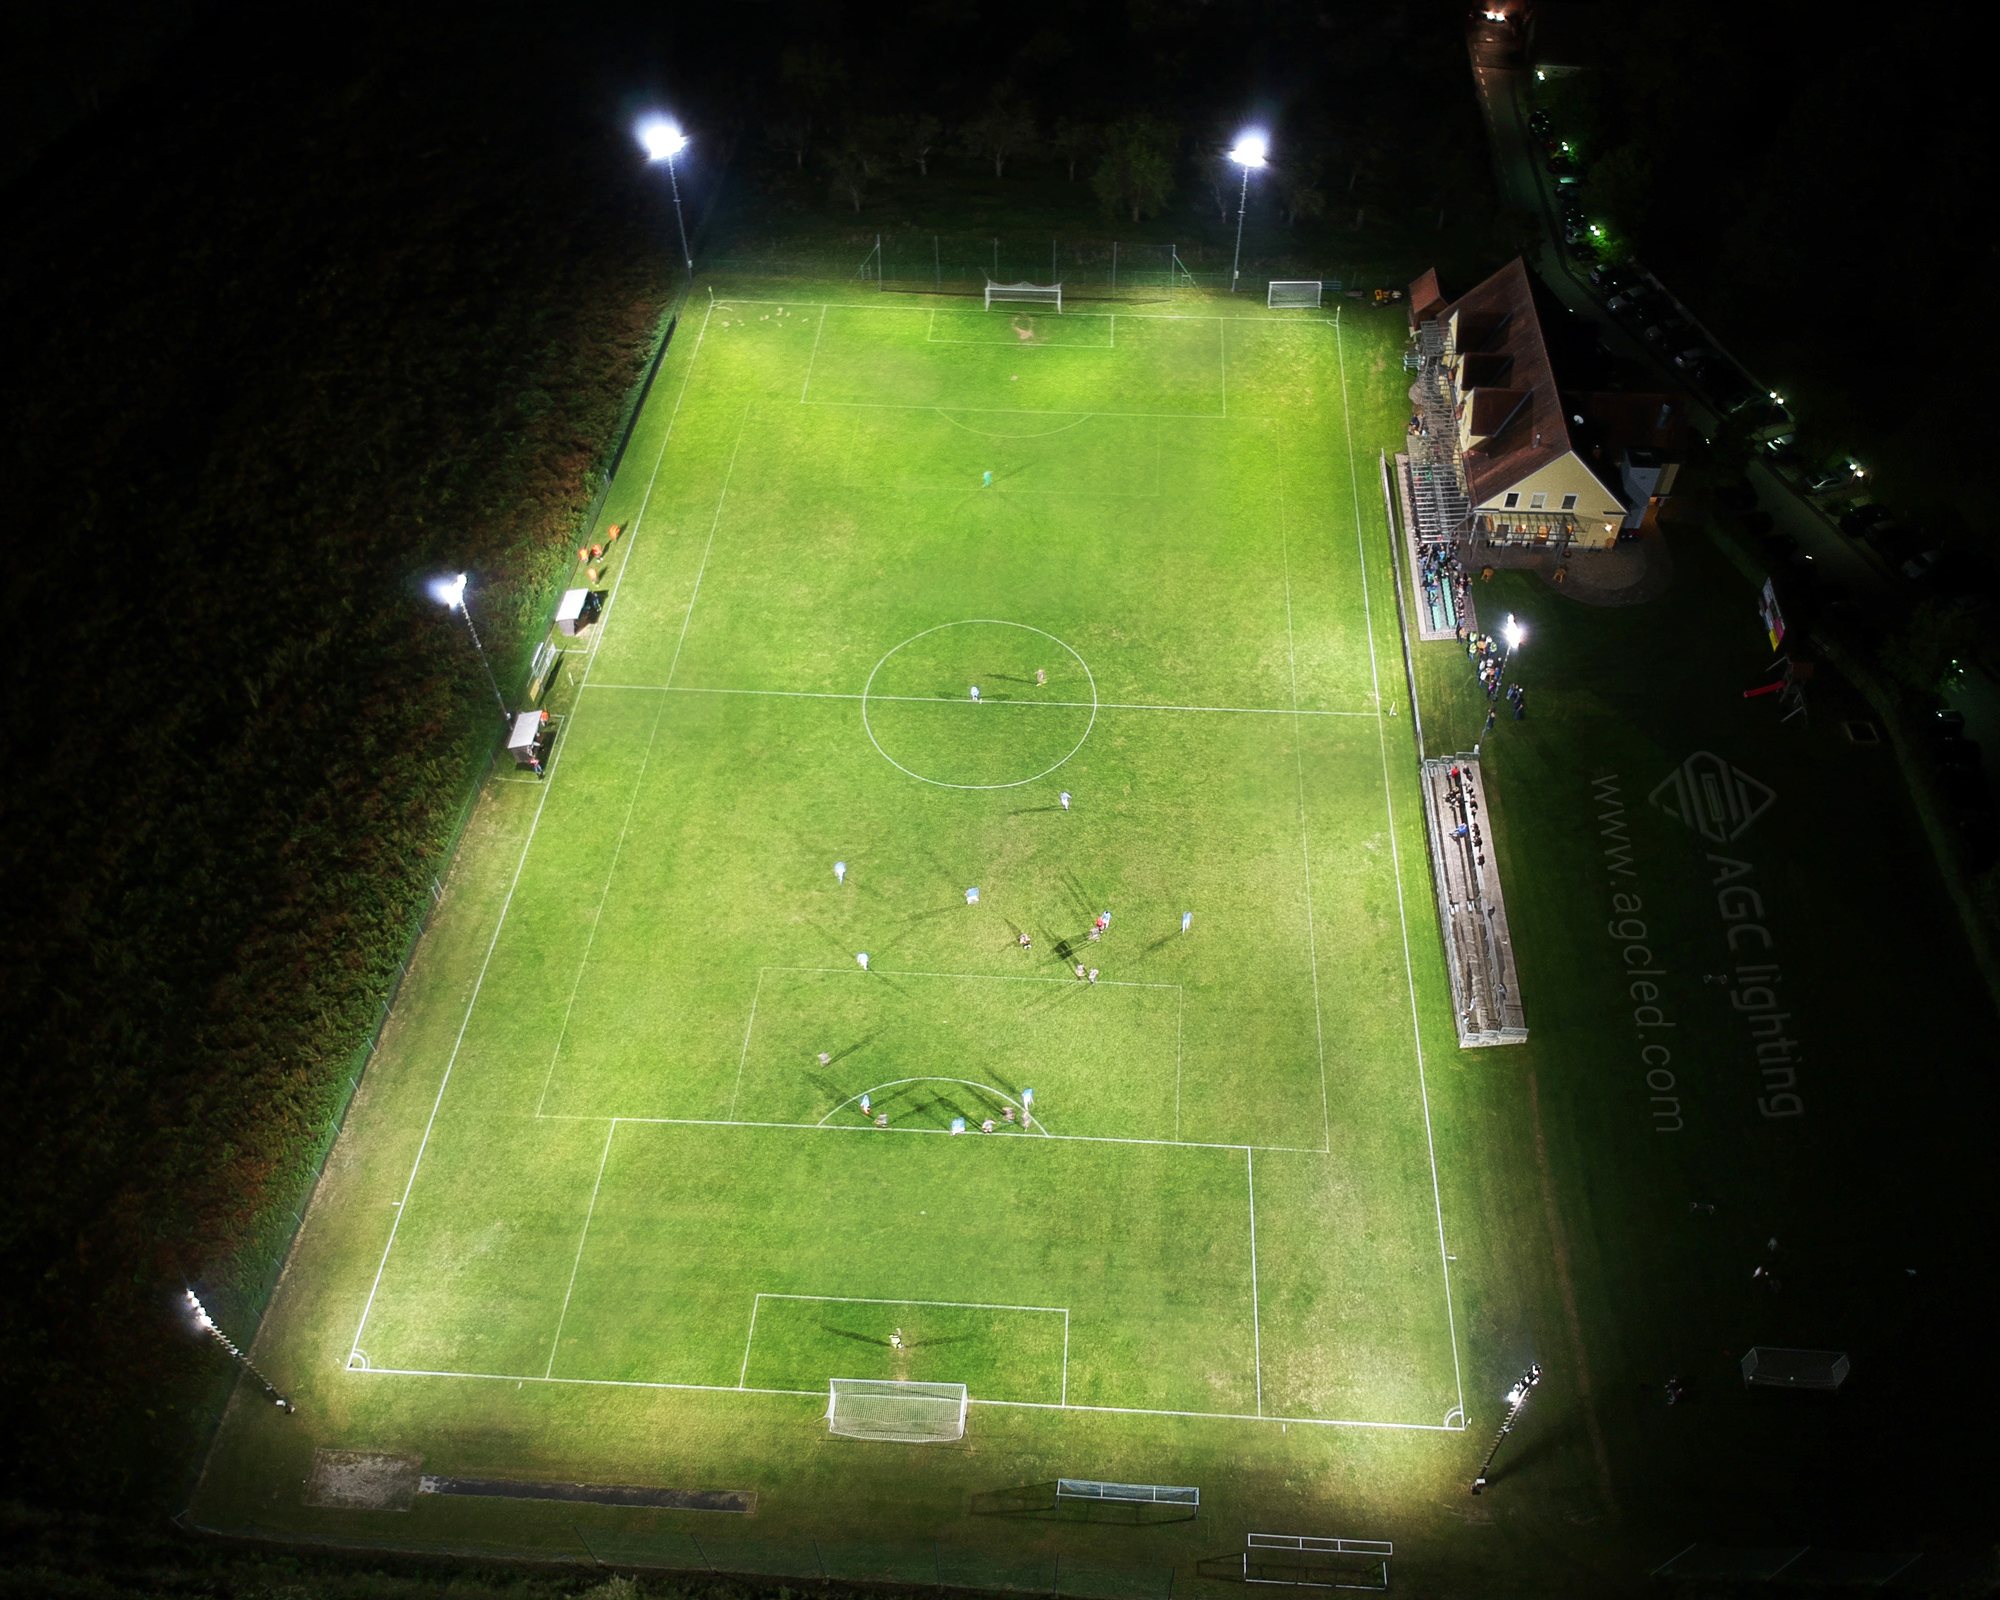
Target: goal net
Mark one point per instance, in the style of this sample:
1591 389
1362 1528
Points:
1044 294
1291 293
881 1408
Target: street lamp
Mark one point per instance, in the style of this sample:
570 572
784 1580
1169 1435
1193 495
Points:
1517 1400
1249 154
206 1323
662 141
450 593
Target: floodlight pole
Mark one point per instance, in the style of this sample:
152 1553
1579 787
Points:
207 1324
1242 205
674 184
1516 1403
479 650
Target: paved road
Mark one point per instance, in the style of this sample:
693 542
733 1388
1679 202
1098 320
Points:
1869 583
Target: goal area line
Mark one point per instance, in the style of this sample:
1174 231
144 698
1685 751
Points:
874 303
819 1395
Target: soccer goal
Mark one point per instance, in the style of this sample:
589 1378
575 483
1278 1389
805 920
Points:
1044 294
1287 294
1305 1561
881 1408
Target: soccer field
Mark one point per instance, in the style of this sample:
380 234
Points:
639 1169
624 1147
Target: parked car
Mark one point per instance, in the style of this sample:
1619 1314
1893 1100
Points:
1558 166
1827 482
1541 122
1629 301
1919 565
1949 721
1693 357
1666 334
1609 277
1728 390
1584 249
1857 521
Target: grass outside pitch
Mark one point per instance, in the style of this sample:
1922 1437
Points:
644 1162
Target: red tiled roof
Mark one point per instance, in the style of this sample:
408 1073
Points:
1425 298
1498 319
1492 407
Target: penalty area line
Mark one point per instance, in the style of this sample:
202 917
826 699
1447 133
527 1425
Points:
820 1394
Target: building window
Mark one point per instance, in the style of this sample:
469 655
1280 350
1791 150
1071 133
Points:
1569 502
1537 502
1513 500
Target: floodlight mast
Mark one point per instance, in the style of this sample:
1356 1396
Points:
1517 1400
450 593
206 1323
663 141
1249 154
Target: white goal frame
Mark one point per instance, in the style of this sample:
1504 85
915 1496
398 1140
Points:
1039 293
1292 294
904 1412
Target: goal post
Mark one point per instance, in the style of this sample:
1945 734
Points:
883 1408
1138 1494
1290 294
1046 294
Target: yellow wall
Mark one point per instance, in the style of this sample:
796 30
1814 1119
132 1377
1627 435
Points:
1600 511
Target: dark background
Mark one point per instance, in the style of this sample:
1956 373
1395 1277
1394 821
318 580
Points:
299 314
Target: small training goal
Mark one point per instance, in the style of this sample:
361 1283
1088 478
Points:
1288 294
1044 294
882 1408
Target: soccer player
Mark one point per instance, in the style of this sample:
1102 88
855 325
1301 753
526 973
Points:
862 957
975 694
895 1338
1041 677
864 1106
1187 918
1079 969
840 872
986 482
972 896
986 1126
882 1119
825 1060
1025 941
1008 1113
1093 974
1064 797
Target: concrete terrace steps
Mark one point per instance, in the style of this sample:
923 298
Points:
1472 912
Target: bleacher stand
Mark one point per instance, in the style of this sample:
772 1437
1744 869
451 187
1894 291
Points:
1485 988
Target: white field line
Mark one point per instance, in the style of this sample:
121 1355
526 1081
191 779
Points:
1396 865
1256 1325
1305 843
940 1133
814 357
975 977
1180 1011
927 699
820 1394
1065 1367
583 1238
639 516
604 896
1222 346
1029 1122
402 1205
702 570
1022 411
755 996
888 302
743 1374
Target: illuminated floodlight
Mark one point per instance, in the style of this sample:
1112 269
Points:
449 592
206 1323
660 139
1251 150
1514 633
1250 153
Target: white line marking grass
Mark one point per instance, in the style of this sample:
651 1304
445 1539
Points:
1396 865
583 1238
925 699
819 1395
1256 1324
870 1300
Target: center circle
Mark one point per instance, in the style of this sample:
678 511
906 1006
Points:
920 714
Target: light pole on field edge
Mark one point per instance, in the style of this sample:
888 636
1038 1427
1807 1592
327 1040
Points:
662 141
1513 633
1517 1400
207 1325
1249 154
450 593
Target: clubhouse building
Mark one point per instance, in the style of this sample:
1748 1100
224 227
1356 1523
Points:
1500 455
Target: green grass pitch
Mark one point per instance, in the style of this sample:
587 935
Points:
612 1158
